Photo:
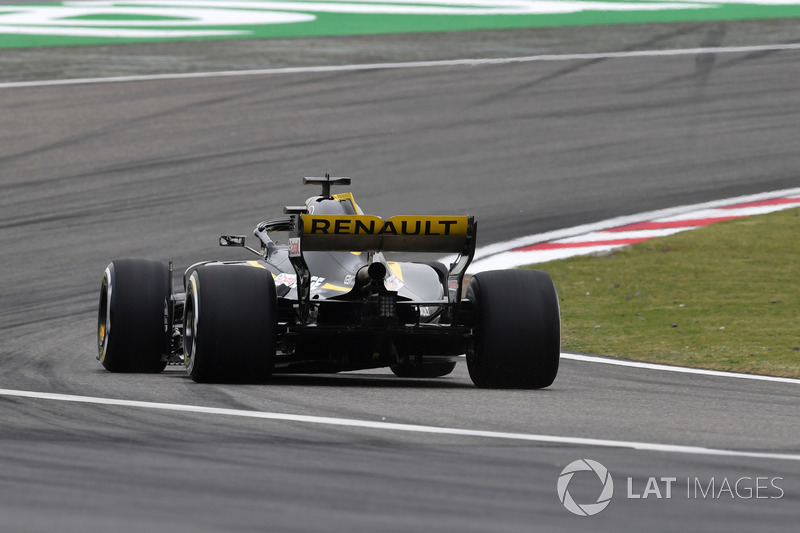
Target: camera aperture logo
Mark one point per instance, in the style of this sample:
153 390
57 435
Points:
586 509
665 488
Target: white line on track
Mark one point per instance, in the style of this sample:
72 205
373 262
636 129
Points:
499 247
412 428
502 255
411 64
677 369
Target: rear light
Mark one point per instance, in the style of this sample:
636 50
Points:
387 304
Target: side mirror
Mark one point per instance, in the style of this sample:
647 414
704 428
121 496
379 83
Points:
232 240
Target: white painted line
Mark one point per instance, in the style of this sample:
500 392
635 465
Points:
388 426
500 247
734 212
114 32
620 235
510 259
417 7
410 64
678 369
499 256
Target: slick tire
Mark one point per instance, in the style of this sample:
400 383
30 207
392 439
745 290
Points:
517 330
426 370
131 330
229 324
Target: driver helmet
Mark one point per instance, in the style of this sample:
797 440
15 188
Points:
319 205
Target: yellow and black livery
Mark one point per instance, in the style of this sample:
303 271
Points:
327 293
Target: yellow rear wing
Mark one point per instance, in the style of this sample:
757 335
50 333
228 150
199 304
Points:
367 233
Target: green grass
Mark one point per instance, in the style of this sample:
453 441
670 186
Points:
724 297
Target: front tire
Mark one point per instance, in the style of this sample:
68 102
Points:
517 329
131 331
230 328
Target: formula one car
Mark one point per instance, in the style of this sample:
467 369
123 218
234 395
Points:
328 300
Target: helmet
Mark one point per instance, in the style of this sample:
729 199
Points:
319 205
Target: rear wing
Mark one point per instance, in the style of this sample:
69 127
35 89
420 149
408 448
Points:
367 233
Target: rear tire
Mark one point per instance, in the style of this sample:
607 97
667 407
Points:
425 370
517 340
131 330
230 328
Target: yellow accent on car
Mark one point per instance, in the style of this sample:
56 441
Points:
371 225
397 234
258 265
348 196
396 269
426 225
342 225
332 287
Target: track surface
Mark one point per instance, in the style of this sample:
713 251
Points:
159 169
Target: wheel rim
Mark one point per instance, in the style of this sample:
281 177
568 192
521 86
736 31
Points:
104 316
190 325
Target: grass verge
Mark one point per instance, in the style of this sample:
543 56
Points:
723 297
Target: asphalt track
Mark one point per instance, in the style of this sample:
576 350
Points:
159 169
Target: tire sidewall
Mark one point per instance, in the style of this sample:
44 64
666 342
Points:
517 329
131 326
230 329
